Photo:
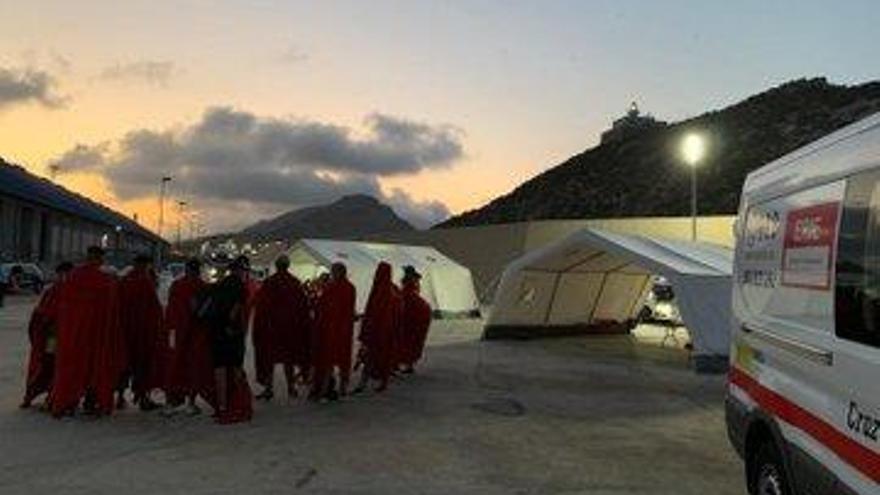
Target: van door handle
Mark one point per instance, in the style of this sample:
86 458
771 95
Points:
811 352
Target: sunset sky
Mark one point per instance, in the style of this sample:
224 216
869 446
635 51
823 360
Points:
257 107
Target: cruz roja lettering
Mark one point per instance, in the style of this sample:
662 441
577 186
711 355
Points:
859 422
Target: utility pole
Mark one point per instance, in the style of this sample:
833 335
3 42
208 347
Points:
180 206
693 150
162 185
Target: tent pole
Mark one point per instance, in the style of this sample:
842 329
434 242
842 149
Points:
552 298
598 297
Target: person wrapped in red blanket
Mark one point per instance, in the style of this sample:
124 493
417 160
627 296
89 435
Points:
281 329
416 321
141 320
190 373
334 335
42 332
379 330
89 355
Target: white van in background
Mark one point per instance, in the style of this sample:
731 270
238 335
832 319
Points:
803 405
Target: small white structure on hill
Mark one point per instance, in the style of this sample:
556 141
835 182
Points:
595 280
447 286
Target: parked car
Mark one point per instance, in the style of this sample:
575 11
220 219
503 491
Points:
803 402
22 277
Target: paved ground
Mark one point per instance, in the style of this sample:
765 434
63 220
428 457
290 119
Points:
598 416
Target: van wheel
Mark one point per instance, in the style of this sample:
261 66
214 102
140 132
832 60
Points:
769 472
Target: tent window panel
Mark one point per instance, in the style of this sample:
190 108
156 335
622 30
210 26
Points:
618 296
527 301
575 298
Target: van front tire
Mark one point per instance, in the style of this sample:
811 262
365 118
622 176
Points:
769 472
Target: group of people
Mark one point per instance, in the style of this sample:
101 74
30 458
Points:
97 338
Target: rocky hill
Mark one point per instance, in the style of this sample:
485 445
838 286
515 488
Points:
641 174
349 217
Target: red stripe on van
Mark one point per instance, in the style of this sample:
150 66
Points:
855 454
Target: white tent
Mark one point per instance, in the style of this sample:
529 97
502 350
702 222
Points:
446 285
593 278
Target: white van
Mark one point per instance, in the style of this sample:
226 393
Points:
803 402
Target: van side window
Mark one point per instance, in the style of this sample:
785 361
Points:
857 290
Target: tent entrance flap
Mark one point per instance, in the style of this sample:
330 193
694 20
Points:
595 281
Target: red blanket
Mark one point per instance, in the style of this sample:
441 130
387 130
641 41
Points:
281 325
89 356
141 320
43 338
190 369
380 327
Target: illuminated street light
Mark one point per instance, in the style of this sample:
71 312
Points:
693 149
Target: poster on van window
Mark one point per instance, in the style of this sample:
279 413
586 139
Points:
808 248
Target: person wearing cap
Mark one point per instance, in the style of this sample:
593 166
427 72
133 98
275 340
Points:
141 321
88 357
225 312
416 321
42 332
281 329
190 373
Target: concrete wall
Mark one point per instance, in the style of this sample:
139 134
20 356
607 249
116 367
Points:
487 250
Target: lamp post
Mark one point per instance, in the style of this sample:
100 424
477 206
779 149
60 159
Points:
693 148
180 206
162 185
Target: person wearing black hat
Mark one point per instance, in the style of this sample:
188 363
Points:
415 322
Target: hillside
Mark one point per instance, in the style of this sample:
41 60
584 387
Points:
350 216
641 174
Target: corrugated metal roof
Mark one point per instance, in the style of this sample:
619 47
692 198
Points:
18 182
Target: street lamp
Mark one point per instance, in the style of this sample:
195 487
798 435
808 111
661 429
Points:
162 185
693 149
180 206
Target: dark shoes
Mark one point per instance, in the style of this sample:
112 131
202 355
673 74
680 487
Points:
265 395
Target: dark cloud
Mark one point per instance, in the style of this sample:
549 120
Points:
236 156
81 157
29 86
153 72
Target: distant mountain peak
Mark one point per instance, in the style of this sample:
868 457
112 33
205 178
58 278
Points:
358 198
349 217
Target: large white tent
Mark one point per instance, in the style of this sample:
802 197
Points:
595 278
446 285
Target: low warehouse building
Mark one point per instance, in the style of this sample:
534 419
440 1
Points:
45 223
594 281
